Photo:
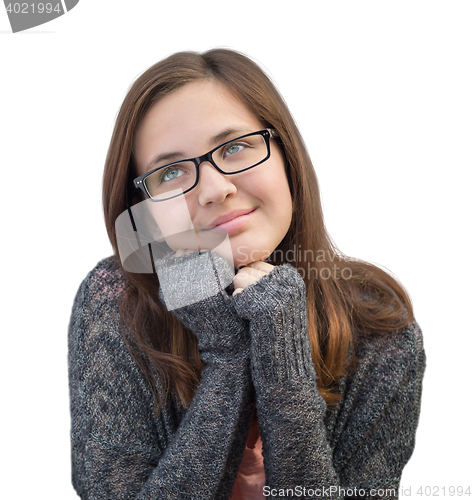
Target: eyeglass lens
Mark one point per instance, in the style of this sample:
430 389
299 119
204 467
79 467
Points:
232 157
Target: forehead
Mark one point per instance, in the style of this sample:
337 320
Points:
195 102
191 115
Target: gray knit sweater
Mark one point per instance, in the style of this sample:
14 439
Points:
255 350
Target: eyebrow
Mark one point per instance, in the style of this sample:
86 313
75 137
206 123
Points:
214 141
220 138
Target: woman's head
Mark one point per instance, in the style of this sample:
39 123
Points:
254 206
178 105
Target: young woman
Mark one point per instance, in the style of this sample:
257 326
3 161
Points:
293 371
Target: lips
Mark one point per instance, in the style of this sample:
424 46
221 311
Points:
230 216
231 222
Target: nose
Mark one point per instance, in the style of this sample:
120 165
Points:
213 186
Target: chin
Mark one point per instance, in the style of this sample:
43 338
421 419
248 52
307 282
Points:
244 255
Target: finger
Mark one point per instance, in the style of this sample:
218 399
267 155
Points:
243 281
261 266
181 251
238 290
246 276
250 271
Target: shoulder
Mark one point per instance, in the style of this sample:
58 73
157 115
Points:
96 333
388 363
95 316
104 282
401 346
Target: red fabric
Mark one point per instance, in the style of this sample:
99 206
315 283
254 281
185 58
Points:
250 479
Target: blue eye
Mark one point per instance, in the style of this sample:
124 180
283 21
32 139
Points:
234 148
171 173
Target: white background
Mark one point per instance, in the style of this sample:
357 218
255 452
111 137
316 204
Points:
382 93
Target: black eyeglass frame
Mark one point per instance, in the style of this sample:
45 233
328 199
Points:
266 133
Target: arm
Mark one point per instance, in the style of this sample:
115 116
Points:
120 449
376 439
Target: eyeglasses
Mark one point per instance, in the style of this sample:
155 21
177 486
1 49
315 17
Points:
232 157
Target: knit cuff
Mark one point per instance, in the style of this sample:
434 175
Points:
276 307
192 286
192 277
273 292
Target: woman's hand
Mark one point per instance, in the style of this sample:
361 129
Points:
250 274
180 252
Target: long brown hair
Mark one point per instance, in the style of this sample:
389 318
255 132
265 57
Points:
345 297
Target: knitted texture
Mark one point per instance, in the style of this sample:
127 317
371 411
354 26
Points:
276 307
183 279
194 285
282 370
122 450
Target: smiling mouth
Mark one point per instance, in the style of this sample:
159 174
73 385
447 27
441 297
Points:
231 225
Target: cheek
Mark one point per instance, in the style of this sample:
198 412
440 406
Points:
276 203
279 206
274 189
282 217
174 223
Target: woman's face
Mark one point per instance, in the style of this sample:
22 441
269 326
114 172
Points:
188 123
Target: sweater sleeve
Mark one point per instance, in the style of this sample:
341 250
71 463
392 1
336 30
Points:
374 435
122 449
